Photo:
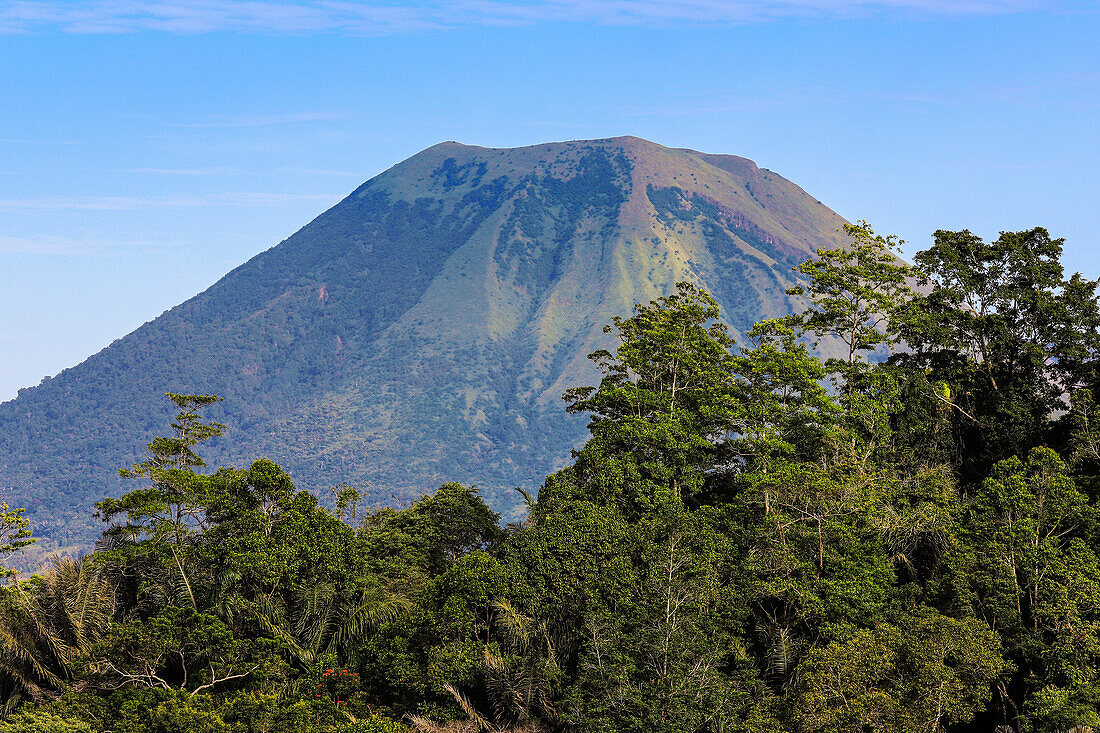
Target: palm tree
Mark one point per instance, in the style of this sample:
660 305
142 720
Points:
519 679
320 620
47 622
475 722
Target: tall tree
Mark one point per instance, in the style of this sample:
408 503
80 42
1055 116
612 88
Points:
15 534
785 413
1001 336
170 509
857 292
1028 569
666 400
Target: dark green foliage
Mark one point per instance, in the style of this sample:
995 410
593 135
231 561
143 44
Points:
1001 336
735 548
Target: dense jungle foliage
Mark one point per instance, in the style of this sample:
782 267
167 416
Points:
751 540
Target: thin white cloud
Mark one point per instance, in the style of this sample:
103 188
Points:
136 203
390 17
223 171
27 141
779 99
264 120
54 246
321 172
214 171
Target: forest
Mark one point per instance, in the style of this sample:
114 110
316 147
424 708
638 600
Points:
904 537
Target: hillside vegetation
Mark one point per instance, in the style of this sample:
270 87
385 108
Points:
424 328
751 539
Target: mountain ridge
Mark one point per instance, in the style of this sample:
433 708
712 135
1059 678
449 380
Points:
424 327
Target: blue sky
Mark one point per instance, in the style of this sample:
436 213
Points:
146 148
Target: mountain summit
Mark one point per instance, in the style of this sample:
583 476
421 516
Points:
424 328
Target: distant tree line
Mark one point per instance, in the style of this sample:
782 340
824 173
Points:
753 539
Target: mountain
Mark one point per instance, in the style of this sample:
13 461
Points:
424 328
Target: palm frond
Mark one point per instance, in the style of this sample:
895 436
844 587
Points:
28 665
467 707
312 616
515 623
370 609
266 614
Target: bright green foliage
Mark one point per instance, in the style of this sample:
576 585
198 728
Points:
734 549
37 721
177 716
920 676
671 636
860 295
14 536
857 291
666 395
638 610
452 522
168 512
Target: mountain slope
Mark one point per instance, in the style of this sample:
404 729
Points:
425 327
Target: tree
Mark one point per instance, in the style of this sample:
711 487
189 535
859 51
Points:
918 676
14 536
166 514
857 292
666 400
173 504
815 564
735 547
995 303
1028 570
524 668
859 295
175 649
1000 335
784 414
434 532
